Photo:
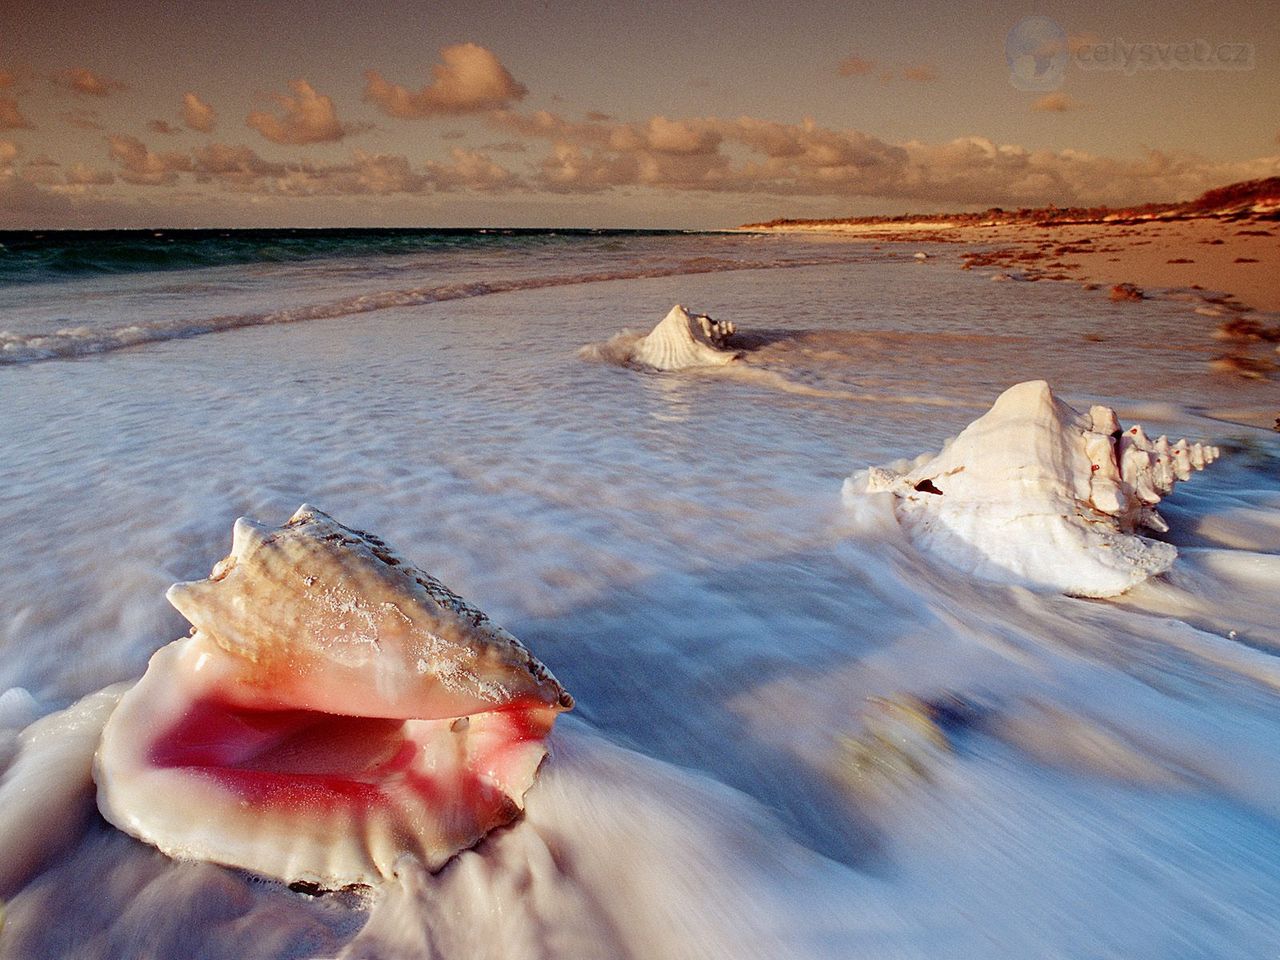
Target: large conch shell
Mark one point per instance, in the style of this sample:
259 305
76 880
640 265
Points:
683 339
333 709
1037 493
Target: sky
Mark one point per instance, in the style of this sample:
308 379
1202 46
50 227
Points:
143 113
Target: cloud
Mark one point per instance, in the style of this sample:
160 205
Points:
8 152
240 169
11 117
1056 102
748 155
387 174
197 114
83 80
920 73
7 79
595 116
660 135
162 127
140 166
41 170
24 205
740 156
83 175
82 118
471 170
308 117
236 165
544 124
365 174
470 79
570 168
854 66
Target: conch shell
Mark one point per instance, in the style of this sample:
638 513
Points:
333 709
1037 493
683 339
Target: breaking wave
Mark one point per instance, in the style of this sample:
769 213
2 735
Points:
87 339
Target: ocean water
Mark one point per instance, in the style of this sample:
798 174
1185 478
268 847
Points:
744 774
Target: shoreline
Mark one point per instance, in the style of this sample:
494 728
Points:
1224 265
1228 258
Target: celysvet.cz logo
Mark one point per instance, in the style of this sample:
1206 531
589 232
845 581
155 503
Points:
1036 50
1039 51
1131 56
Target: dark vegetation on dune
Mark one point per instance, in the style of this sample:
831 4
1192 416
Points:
1248 198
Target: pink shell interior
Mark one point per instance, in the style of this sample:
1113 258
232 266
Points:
221 753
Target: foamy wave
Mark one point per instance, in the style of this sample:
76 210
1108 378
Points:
695 344
84 340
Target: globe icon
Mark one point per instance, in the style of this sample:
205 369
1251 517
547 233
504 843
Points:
1036 51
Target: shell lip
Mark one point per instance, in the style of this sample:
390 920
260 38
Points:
263 742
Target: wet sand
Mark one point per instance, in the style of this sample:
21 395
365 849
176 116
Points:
1233 257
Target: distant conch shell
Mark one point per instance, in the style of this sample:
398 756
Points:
1037 493
683 339
333 709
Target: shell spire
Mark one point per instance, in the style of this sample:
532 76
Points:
683 339
1037 493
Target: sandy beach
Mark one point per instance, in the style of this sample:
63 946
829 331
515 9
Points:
1223 245
1236 259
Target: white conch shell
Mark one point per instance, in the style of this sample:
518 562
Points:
1037 493
683 339
333 709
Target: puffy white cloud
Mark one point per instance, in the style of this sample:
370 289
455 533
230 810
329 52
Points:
11 118
684 137
308 117
471 170
746 156
569 168
241 169
469 79
86 81
367 173
387 174
238 168
976 171
763 157
197 114
139 165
